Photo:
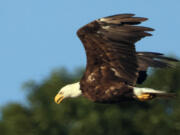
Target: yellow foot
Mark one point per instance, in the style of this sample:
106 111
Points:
145 96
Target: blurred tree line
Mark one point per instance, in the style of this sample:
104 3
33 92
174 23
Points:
82 117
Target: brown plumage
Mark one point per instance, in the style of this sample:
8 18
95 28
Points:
113 65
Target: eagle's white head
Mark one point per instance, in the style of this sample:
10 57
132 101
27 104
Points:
71 90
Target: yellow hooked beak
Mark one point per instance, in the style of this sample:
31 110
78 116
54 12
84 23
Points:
58 98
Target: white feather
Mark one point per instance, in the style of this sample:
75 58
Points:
105 27
102 19
139 91
115 72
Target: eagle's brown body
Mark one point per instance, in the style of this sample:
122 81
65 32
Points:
104 86
113 65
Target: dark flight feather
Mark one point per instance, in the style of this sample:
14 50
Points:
151 59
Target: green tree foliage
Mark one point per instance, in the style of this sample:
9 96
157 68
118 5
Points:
82 117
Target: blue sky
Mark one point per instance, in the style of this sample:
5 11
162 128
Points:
37 36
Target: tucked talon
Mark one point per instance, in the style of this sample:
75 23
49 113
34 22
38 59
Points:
145 96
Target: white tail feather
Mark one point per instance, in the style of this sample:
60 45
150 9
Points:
139 91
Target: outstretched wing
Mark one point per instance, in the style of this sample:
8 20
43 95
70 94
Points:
110 41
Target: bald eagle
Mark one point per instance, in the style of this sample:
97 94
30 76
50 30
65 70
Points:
113 66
